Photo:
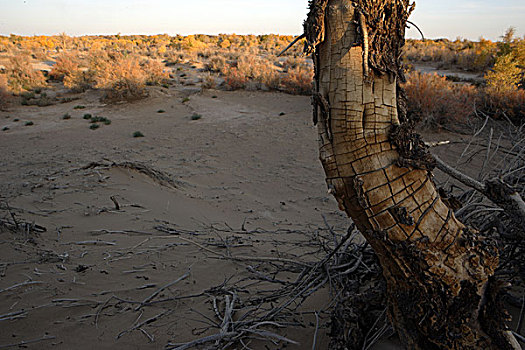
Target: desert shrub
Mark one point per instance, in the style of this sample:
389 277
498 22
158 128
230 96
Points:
270 78
68 70
66 65
292 62
259 70
79 81
191 43
125 89
503 103
216 63
154 71
122 78
298 81
251 66
5 96
235 79
174 57
468 55
434 101
209 81
21 76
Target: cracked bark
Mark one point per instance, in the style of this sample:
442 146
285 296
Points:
440 291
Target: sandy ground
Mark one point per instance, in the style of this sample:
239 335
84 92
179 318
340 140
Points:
244 179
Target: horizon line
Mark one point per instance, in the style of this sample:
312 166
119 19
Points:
415 37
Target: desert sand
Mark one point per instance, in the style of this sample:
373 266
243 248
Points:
242 180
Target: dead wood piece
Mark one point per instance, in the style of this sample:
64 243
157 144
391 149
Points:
157 292
302 36
202 341
495 190
143 323
157 175
27 342
114 200
91 242
19 285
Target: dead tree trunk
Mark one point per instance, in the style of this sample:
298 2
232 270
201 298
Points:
438 272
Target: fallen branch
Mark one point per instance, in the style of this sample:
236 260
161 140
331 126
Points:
495 190
302 36
201 341
158 291
26 342
23 284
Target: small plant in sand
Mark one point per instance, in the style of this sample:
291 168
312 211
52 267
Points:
5 128
196 116
98 119
87 116
94 126
79 107
66 116
161 111
29 123
138 134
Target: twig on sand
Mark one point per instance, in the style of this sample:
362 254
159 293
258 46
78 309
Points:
13 315
92 242
244 258
201 341
23 284
157 292
143 323
114 200
314 342
27 342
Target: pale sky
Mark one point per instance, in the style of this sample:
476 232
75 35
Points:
469 19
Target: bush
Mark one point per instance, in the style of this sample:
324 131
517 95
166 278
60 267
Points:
298 81
500 103
216 63
235 79
122 78
5 96
22 77
65 65
435 101
155 74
